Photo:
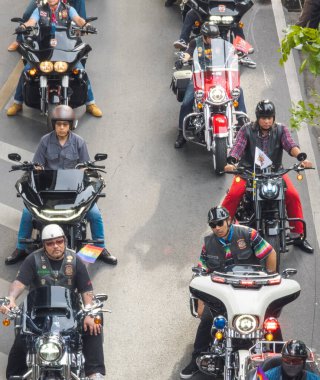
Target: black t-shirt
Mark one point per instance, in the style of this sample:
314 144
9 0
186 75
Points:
28 273
192 45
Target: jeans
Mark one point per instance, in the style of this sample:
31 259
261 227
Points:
93 216
189 21
187 104
92 352
18 96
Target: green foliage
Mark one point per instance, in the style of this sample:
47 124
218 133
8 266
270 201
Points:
309 38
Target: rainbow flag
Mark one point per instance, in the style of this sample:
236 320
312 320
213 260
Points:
89 253
260 375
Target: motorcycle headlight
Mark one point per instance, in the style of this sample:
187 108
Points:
269 190
60 67
245 324
220 322
199 95
227 20
217 95
58 215
235 93
50 349
215 19
46 66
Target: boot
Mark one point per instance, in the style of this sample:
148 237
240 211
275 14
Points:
13 46
16 256
180 141
14 109
94 110
106 257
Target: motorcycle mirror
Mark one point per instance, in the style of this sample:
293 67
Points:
89 19
289 272
17 19
101 297
100 156
301 156
14 157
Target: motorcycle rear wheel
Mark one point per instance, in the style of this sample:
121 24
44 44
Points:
275 242
220 155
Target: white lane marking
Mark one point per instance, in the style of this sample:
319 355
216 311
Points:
304 138
8 148
10 217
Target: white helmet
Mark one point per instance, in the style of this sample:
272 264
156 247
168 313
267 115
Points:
51 231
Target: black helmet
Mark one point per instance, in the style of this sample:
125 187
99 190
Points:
265 108
217 213
63 113
295 348
209 29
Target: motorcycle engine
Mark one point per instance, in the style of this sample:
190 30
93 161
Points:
211 364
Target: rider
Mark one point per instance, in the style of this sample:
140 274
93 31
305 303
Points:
53 12
293 362
57 258
208 31
272 138
228 244
61 149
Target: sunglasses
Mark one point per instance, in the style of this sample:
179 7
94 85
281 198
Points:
52 243
292 361
217 224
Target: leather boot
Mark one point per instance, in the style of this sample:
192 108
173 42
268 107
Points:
16 256
180 141
106 257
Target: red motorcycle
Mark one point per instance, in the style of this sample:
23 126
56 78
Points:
216 81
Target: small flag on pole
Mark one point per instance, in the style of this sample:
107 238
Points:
260 375
89 253
261 159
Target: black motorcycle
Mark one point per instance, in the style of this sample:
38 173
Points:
263 205
53 56
50 324
60 196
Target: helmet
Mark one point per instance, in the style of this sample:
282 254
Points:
265 108
64 113
217 213
52 231
209 29
295 348
291 352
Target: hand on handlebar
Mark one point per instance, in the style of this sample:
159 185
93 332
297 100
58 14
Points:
306 164
90 29
89 324
6 307
230 168
20 29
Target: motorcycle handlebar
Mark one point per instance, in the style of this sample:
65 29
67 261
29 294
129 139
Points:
242 171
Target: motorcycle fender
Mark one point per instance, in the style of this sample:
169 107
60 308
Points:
219 125
243 363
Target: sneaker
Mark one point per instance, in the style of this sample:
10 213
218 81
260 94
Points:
94 110
13 46
14 109
180 44
190 370
246 61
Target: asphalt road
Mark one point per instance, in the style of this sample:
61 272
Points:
157 197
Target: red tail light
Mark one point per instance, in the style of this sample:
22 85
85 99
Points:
271 324
221 280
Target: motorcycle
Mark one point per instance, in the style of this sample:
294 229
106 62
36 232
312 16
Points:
60 196
263 205
246 303
49 322
216 82
54 77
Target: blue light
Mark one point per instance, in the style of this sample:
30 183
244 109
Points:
219 322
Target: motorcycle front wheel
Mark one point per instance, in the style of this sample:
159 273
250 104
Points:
220 155
274 241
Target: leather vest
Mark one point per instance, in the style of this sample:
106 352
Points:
240 248
46 17
46 276
274 149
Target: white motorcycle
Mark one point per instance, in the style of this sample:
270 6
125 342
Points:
245 302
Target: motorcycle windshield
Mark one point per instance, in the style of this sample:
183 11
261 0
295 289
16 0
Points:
50 309
60 189
215 65
229 8
62 47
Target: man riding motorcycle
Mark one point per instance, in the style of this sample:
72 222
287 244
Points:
293 362
228 244
61 149
53 12
208 31
272 138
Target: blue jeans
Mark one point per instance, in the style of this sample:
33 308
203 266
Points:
18 96
94 217
187 104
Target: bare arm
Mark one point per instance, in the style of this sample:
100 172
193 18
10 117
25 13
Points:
15 290
87 298
79 20
294 153
30 22
271 261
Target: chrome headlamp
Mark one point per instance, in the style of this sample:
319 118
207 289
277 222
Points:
245 324
58 215
217 95
199 95
226 20
50 348
269 190
235 93
60 67
46 66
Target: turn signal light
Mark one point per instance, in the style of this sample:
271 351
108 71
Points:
197 24
218 335
32 72
235 103
238 179
299 177
97 320
269 337
6 322
241 25
271 324
76 71
200 106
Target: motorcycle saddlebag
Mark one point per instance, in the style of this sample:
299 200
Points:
31 93
179 83
79 89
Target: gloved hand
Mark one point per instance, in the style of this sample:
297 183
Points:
90 29
20 29
178 64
